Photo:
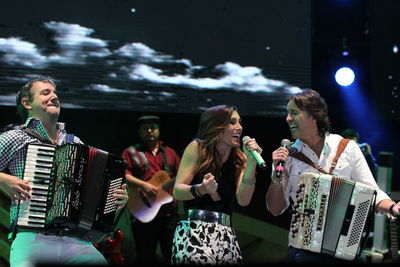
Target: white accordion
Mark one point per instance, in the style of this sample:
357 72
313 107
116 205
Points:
330 215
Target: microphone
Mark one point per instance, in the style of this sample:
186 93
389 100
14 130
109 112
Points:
280 166
256 155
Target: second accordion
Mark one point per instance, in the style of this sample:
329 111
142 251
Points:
72 191
330 215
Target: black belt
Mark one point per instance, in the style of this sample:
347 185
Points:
209 216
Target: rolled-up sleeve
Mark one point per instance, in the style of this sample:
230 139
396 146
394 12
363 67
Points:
361 173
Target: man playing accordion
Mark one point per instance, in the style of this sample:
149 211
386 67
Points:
39 108
309 124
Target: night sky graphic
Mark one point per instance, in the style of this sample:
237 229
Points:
164 56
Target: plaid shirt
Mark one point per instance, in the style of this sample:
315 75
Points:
13 146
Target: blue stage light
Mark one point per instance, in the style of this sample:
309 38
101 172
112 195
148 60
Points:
344 76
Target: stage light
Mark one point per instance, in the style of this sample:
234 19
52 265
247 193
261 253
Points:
395 49
344 76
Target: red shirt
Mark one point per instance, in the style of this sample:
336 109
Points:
155 163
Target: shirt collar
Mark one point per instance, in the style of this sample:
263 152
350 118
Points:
37 125
300 145
142 146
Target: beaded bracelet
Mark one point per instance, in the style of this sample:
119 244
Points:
276 180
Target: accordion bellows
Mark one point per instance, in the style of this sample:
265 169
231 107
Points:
72 191
330 215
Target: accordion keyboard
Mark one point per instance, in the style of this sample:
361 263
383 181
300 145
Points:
37 172
72 191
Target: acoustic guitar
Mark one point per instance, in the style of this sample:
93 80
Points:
145 209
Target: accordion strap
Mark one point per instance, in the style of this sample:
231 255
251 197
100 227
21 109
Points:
165 160
342 145
139 158
300 156
36 135
69 139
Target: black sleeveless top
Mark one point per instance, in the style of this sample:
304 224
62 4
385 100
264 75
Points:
225 177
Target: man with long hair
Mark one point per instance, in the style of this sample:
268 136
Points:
309 125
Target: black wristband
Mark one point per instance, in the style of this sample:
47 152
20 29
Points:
391 209
194 191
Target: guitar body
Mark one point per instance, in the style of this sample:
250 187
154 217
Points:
146 209
111 248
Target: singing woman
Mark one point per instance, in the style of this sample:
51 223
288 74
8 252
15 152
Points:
214 173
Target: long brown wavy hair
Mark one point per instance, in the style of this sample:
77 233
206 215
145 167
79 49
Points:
212 124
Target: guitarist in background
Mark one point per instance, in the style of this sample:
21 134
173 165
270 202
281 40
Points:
144 160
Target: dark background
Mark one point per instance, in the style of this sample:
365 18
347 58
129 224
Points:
366 28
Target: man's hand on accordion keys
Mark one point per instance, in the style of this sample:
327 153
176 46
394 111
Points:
121 196
15 187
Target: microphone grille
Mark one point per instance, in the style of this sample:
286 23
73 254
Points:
245 138
285 143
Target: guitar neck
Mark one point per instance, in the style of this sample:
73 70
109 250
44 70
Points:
168 185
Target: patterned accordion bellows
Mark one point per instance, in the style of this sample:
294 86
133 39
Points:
330 215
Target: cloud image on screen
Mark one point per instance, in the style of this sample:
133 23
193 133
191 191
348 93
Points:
96 68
